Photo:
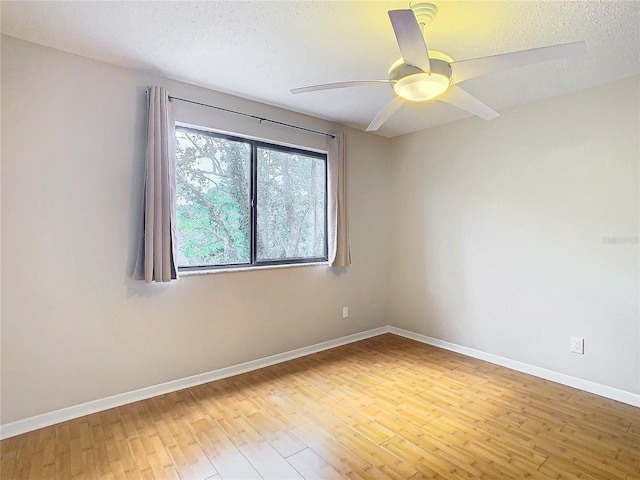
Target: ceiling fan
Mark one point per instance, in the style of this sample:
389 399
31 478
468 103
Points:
421 74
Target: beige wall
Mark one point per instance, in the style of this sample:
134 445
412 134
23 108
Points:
500 230
75 328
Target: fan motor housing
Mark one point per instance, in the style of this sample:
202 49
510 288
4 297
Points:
401 70
413 84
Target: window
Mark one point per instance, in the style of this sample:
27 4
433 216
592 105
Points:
243 202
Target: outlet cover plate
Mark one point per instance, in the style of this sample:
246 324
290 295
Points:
577 345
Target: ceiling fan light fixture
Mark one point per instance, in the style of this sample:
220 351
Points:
415 85
420 87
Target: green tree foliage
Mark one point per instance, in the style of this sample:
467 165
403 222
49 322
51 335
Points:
213 202
291 206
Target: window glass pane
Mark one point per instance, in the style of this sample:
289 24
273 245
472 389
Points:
291 212
213 206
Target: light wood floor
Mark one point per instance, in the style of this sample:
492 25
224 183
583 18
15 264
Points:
382 408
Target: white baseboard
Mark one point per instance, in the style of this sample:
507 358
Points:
76 411
575 382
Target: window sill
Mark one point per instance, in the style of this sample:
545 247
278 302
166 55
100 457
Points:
188 273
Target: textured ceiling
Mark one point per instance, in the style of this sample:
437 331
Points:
260 50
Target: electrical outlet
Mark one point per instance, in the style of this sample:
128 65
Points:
577 345
345 312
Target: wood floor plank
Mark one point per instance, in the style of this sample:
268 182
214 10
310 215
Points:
311 466
362 424
139 454
268 463
275 432
191 463
225 456
62 467
385 408
343 460
363 447
428 460
559 468
8 463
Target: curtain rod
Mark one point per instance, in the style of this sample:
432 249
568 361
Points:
261 119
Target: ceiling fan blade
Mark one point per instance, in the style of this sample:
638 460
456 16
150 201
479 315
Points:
331 86
410 39
384 114
466 69
460 98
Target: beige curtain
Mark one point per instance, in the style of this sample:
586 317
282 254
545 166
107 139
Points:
338 221
156 250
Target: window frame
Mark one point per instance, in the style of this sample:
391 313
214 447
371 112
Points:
255 144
